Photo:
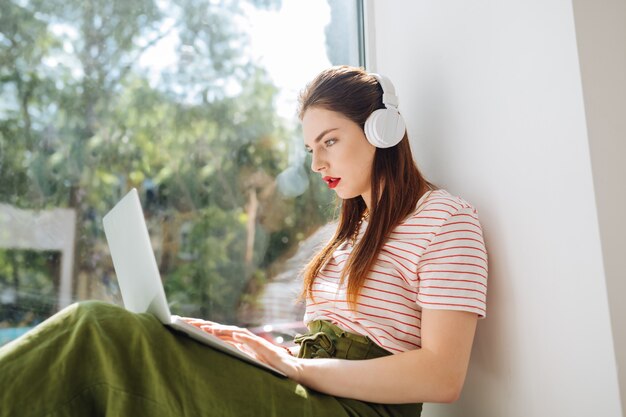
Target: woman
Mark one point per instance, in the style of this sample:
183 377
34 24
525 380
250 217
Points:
392 300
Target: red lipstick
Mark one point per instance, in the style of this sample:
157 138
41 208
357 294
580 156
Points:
331 181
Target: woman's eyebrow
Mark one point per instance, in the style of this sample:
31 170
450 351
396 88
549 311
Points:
321 135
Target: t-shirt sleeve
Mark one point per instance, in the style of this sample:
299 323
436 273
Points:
452 272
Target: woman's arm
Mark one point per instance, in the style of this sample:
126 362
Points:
434 373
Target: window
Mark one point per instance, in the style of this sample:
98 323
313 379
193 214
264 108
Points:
194 104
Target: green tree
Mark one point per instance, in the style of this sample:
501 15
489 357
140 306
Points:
82 121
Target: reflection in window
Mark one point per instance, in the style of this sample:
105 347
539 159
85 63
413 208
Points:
191 102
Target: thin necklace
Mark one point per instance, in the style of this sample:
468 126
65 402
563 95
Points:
355 235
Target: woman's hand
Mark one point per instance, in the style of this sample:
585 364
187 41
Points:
276 356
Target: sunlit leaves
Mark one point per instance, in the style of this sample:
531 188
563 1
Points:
83 120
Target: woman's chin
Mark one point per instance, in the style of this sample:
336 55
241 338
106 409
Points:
346 195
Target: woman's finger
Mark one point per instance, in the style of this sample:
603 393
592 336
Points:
244 340
234 341
199 322
263 347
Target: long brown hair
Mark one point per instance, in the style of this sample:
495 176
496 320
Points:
396 182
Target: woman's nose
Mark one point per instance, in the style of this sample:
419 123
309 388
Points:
318 163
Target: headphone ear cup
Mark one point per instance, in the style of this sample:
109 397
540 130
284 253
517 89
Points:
384 128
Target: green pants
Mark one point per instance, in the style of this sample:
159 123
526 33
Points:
96 359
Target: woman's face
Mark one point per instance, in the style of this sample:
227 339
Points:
340 152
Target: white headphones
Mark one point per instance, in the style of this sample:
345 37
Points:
385 128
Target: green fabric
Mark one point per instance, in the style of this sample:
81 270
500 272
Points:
325 340
96 359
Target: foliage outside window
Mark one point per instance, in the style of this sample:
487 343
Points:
170 97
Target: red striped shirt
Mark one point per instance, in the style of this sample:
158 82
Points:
435 259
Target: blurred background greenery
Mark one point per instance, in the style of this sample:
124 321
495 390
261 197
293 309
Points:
82 121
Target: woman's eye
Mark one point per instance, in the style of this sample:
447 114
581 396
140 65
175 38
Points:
327 142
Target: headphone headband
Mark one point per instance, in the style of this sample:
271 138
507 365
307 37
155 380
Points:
389 92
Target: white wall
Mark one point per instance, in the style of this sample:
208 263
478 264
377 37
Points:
601 35
493 95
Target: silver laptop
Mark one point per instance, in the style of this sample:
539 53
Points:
139 278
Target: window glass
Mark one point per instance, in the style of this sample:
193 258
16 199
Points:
192 102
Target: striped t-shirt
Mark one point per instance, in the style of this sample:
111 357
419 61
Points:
435 259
